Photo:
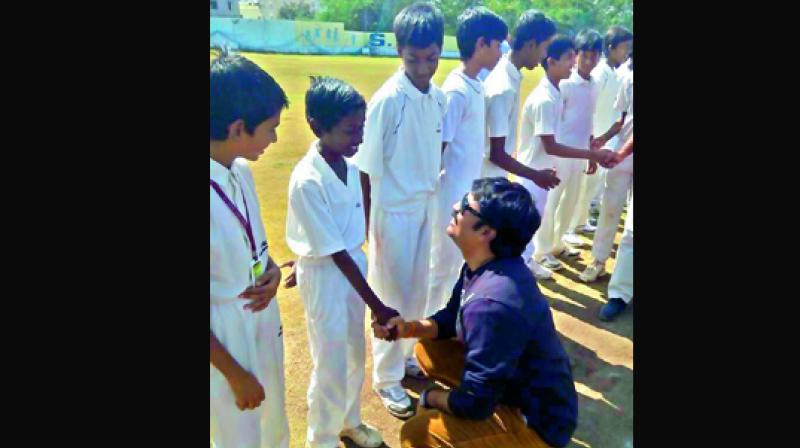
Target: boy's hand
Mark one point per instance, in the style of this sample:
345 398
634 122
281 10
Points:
546 179
606 158
291 280
592 168
264 291
385 331
247 390
380 320
597 143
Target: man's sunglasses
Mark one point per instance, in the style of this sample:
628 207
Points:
466 208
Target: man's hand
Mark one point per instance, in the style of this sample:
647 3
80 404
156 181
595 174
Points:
384 331
247 390
546 179
291 280
264 291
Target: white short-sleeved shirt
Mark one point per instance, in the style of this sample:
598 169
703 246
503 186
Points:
502 111
608 82
325 216
402 144
624 103
579 96
541 115
230 248
464 128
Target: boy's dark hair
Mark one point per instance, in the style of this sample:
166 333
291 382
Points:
557 48
478 22
615 36
328 100
508 208
419 25
532 25
241 90
589 40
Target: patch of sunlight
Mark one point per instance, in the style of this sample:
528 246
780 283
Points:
609 347
581 442
593 394
557 296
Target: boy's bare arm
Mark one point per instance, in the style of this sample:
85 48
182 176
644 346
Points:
545 178
366 191
604 157
248 391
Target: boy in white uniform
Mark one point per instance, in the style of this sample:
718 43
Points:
616 47
400 161
579 93
479 34
619 181
541 117
325 227
246 333
620 287
532 36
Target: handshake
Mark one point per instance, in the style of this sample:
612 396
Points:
603 157
388 325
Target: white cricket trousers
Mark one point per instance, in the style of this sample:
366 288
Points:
591 191
399 260
621 283
618 181
335 322
539 196
561 205
255 340
446 257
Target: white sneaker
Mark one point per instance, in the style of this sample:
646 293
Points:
539 271
587 228
573 239
364 436
567 251
396 401
593 271
412 369
550 262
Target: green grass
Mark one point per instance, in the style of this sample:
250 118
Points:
602 354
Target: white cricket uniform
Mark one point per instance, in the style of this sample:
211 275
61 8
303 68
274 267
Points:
580 98
618 179
254 340
542 114
621 283
463 131
401 153
502 111
608 82
326 216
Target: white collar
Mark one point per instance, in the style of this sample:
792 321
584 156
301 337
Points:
219 173
511 69
408 88
578 79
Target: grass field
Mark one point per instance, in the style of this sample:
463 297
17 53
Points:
602 353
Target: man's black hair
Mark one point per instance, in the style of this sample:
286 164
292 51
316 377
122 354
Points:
419 25
589 40
532 25
241 90
615 36
508 208
328 100
478 22
557 48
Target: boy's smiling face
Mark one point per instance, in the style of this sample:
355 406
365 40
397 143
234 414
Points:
251 146
420 64
586 62
562 67
346 135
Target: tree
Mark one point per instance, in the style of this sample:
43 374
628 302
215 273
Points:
297 9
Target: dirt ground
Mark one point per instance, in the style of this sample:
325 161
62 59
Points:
601 353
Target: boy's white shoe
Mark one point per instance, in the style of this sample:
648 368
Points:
593 271
573 239
539 271
364 436
550 262
567 251
396 401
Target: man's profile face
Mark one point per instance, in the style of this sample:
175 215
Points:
462 224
